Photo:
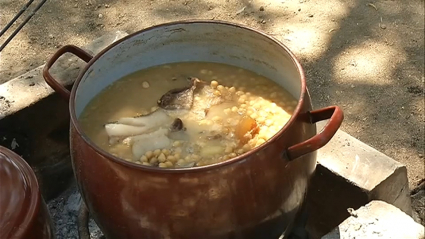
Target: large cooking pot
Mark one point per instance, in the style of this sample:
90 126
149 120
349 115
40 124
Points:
255 195
23 212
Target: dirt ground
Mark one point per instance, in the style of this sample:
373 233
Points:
365 56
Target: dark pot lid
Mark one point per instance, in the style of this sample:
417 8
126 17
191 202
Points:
19 195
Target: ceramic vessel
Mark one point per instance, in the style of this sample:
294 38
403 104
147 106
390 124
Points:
23 212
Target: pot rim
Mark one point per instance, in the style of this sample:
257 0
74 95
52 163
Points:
32 192
239 158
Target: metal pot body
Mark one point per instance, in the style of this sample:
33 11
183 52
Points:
255 195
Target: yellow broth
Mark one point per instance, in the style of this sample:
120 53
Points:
234 110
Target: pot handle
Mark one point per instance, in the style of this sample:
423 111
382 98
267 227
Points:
335 116
83 55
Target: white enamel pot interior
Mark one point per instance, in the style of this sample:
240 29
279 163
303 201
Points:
191 41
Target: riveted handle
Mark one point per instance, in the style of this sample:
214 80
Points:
335 116
83 55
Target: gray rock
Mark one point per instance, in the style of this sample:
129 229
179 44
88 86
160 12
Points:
64 213
73 202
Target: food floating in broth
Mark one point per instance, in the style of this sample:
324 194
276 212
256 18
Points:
160 117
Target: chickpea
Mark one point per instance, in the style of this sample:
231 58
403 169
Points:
240 151
232 155
234 121
228 149
232 89
144 158
274 129
269 134
220 88
216 118
169 164
162 158
234 109
171 158
273 95
260 142
145 84
154 108
149 154
246 148
242 111
281 103
261 120
146 164
144 112
156 152
162 165
258 89
217 93
262 135
195 157
138 162
269 122
274 110
176 143
203 122
166 152
154 160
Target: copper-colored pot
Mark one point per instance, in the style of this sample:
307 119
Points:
255 195
23 212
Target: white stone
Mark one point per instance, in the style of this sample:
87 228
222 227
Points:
350 174
378 219
379 176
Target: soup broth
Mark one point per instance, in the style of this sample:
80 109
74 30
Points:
186 114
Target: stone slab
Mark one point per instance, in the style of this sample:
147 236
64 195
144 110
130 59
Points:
30 87
350 174
34 121
377 219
